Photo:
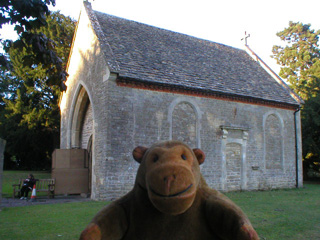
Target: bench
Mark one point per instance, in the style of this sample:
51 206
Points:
42 185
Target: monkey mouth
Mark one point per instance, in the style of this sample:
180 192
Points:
171 195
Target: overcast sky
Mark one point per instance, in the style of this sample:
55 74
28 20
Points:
221 21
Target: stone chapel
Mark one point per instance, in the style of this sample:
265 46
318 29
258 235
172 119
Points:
133 84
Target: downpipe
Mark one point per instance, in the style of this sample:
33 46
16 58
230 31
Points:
296 146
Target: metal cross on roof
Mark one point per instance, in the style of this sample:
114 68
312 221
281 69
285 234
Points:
245 38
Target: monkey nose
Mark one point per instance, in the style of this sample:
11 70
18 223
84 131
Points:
168 181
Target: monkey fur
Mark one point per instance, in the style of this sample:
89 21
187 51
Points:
170 200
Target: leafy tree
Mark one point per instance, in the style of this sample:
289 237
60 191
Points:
311 133
300 61
300 58
27 15
30 116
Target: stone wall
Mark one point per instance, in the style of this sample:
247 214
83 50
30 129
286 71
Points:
87 126
86 84
247 161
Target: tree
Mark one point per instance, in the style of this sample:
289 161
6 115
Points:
311 133
26 16
30 116
300 58
300 61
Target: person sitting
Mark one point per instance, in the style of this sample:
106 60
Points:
27 186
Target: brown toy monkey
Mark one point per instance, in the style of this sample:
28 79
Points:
170 201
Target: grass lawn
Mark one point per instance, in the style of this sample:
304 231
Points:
283 214
42 222
277 215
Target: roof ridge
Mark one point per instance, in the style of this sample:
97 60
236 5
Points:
210 42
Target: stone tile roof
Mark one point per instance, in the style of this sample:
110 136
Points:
145 53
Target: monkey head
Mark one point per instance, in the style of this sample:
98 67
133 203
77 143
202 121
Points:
170 173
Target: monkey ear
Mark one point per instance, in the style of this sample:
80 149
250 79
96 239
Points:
200 155
138 153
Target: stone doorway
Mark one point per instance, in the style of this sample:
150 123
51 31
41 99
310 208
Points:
234 167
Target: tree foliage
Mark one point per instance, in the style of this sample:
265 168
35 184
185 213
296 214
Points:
300 61
300 58
30 116
26 16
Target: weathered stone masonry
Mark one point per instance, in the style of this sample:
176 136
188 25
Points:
235 137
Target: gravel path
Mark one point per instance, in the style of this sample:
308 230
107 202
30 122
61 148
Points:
9 202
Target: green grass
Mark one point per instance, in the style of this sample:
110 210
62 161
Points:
283 214
277 214
12 177
42 222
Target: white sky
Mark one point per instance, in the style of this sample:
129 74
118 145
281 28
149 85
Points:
221 21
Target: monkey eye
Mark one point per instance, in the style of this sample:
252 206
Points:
183 157
155 158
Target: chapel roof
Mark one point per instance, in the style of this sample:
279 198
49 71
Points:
150 55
